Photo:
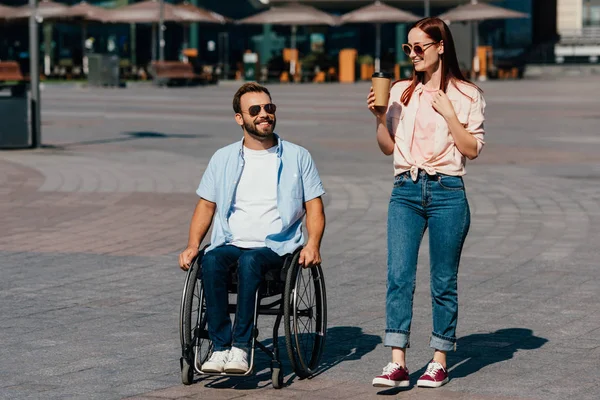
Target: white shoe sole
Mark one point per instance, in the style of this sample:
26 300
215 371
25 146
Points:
431 384
235 368
211 369
381 382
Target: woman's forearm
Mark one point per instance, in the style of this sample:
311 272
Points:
464 141
384 139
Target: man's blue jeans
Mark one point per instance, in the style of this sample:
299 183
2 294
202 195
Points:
252 264
437 202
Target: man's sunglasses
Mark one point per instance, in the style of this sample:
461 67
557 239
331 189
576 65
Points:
418 48
255 110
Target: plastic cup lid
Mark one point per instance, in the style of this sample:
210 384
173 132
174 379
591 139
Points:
381 74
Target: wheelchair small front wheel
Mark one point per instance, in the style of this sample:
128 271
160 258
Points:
187 372
305 317
276 375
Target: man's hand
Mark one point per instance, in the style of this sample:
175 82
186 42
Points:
186 257
310 257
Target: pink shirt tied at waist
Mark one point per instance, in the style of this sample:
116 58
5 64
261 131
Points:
442 156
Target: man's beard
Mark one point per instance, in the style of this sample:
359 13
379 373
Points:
251 128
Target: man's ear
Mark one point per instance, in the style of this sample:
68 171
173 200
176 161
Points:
239 119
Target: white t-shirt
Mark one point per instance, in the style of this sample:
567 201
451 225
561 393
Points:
255 214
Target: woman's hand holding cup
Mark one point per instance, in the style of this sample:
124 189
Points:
378 111
378 95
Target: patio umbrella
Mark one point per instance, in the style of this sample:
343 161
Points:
6 12
378 13
475 12
337 4
293 14
46 9
203 16
151 11
85 12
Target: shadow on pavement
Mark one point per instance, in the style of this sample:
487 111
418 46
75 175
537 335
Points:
480 350
158 135
343 343
128 136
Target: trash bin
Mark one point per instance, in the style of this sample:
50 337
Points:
250 63
14 114
103 69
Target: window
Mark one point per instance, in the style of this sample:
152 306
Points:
591 13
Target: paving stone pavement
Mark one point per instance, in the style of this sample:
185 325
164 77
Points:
92 224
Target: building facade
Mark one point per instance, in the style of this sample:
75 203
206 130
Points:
578 25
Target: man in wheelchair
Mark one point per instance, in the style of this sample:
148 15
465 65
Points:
256 192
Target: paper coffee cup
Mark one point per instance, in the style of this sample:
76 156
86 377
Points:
381 86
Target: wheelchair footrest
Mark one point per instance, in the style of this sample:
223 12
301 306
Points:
228 374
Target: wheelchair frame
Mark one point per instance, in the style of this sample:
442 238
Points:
292 282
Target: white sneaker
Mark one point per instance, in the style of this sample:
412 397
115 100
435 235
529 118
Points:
216 362
238 361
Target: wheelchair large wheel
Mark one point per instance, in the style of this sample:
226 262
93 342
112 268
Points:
194 337
305 317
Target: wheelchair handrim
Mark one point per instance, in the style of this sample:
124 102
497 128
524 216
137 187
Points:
309 361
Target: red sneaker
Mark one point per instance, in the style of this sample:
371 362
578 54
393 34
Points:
393 376
434 377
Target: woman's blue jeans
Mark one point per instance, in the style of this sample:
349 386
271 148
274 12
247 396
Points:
252 264
437 202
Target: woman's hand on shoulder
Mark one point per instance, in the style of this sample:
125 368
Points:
442 104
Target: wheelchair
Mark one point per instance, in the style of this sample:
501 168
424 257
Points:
292 293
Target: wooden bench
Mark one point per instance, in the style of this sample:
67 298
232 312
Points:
168 72
10 71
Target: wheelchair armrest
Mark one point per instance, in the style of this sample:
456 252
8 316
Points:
199 256
287 263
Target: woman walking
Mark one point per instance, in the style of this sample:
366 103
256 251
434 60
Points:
433 122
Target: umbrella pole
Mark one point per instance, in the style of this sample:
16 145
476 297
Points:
378 47
427 8
476 64
47 29
84 58
186 41
153 42
161 32
187 35
475 33
133 45
293 47
34 76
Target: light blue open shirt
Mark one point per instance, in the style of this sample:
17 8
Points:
298 181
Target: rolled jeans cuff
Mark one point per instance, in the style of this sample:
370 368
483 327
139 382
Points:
441 343
397 339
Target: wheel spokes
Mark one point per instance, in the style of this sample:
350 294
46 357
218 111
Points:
304 298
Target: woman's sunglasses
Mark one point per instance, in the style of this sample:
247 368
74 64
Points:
255 110
418 48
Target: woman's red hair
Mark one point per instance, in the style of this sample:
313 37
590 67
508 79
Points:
437 30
